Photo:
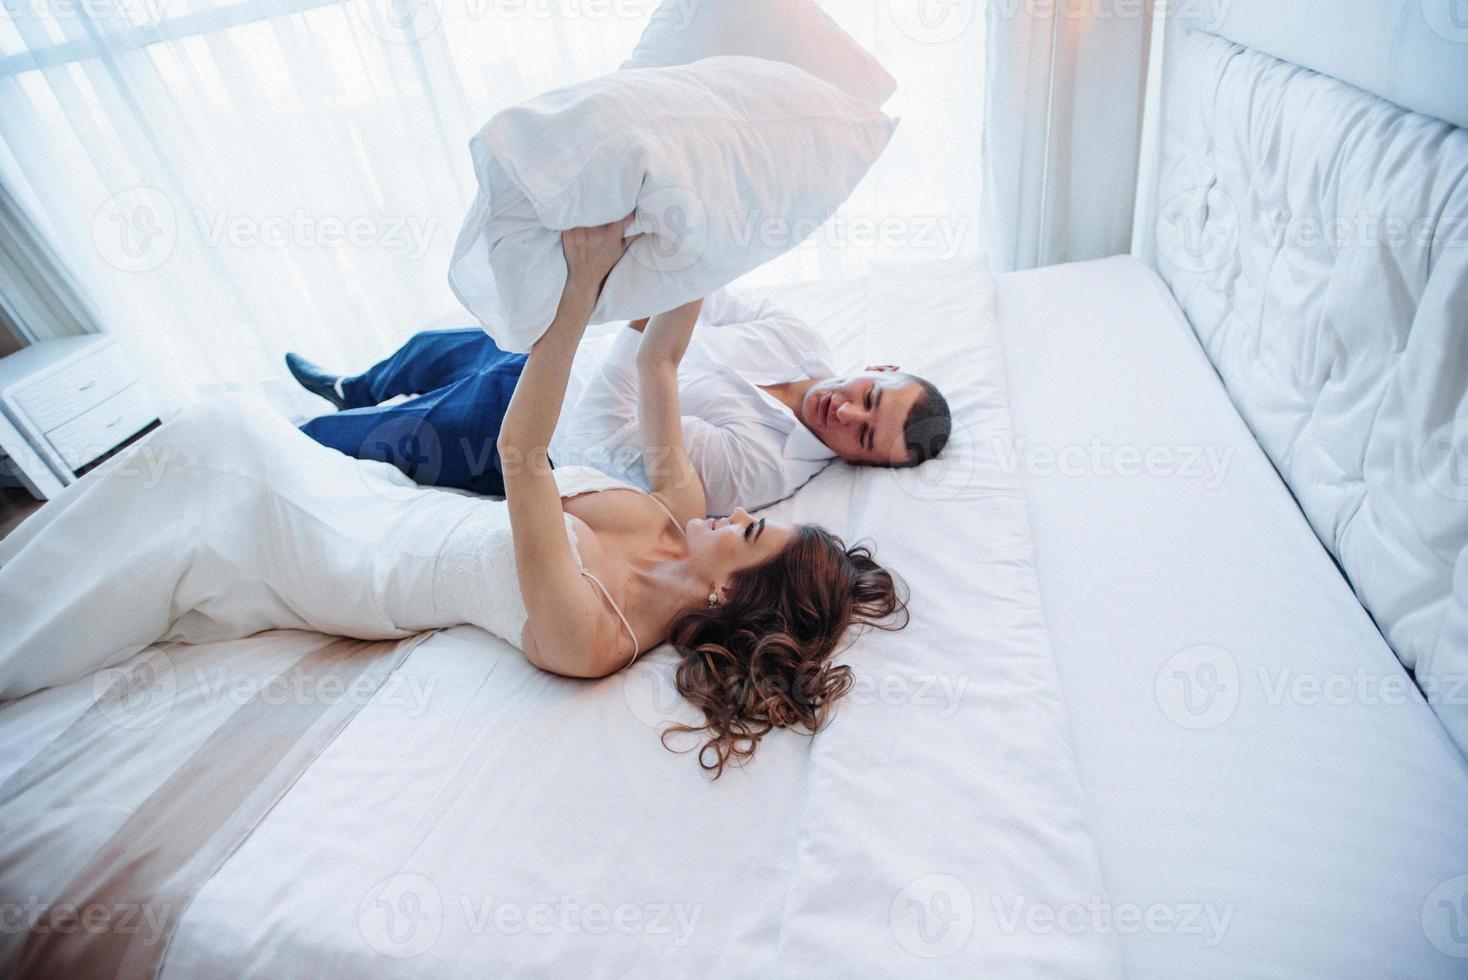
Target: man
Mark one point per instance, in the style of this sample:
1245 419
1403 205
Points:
763 409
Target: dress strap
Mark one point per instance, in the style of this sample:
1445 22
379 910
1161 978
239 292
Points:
636 647
659 501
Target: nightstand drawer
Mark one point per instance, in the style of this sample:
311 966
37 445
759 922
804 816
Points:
85 438
67 393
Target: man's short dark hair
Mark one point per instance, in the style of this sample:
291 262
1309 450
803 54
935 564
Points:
928 425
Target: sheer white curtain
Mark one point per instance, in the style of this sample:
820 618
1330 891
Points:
921 200
1063 128
231 179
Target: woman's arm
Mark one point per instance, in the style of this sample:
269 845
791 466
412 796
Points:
570 631
670 472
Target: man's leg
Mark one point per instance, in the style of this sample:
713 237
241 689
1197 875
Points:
444 438
429 360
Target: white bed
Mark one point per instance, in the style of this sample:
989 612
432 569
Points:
945 785
1317 796
1140 725
1009 761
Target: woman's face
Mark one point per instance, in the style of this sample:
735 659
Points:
720 547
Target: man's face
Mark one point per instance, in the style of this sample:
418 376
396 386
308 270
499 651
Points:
860 417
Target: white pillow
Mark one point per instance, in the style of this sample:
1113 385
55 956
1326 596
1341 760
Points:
727 162
796 32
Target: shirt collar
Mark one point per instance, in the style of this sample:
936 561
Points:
800 441
803 444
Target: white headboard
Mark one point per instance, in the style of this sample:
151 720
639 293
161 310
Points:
1316 236
1412 53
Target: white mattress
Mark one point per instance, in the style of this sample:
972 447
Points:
468 832
1333 824
981 805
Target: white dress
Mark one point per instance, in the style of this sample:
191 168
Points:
227 521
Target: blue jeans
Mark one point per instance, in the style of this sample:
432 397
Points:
446 437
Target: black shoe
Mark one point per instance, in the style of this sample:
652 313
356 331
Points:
314 380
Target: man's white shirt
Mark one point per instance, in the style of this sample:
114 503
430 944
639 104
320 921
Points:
749 449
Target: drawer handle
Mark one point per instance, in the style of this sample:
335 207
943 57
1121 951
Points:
89 384
113 422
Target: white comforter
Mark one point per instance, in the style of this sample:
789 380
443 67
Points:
505 822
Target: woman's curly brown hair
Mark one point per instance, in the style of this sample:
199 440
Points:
762 659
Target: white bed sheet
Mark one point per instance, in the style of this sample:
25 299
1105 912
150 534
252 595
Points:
981 806
1316 795
510 823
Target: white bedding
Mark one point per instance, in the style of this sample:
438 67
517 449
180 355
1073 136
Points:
1323 263
510 823
1317 795
981 806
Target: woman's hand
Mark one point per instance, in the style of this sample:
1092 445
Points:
591 253
536 405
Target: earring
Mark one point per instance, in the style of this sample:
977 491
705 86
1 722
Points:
713 595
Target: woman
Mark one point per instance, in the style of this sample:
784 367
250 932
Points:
228 521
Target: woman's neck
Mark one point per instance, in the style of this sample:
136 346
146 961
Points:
668 588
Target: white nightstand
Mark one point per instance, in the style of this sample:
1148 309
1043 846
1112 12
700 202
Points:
66 404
